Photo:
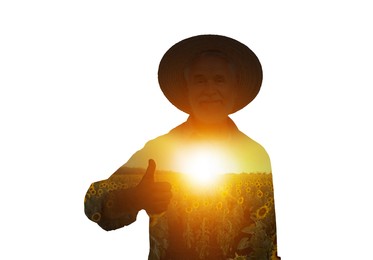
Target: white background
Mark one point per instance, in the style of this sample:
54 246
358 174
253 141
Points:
79 95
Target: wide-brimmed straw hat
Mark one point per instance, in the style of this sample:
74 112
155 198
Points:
171 68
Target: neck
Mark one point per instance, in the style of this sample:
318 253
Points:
213 130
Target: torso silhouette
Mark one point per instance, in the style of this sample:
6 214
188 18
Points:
222 218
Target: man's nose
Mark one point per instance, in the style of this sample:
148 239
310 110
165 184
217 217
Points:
210 87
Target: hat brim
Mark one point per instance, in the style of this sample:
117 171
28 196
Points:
171 68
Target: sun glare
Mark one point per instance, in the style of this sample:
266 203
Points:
203 164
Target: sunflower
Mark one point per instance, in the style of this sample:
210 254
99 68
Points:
262 212
123 186
240 200
92 191
96 217
225 192
259 193
174 203
109 203
103 185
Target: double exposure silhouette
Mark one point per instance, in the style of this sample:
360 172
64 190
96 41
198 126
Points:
206 186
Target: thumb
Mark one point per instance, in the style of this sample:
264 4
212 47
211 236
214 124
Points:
149 174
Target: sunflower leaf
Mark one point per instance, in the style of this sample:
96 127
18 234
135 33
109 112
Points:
244 243
248 229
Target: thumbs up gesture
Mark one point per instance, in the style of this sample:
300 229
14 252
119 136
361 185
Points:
152 196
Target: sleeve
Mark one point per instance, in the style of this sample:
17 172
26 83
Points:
109 202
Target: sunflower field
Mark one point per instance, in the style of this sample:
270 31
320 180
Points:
232 218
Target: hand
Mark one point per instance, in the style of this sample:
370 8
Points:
152 196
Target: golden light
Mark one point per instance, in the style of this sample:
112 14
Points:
203 164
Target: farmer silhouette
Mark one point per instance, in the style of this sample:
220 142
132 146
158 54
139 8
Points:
205 185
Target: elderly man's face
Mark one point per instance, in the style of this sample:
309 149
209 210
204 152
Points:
211 84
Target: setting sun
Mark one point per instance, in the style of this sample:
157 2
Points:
204 164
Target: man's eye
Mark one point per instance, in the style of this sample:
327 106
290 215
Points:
219 79
199 80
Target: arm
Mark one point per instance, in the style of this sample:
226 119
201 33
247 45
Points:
112 204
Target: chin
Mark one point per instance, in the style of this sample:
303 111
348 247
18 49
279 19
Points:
212 118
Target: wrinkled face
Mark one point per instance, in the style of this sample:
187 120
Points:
211 84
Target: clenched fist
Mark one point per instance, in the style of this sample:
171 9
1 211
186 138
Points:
152 196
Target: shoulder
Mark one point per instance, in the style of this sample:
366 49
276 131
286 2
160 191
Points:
252 153
246 140
159 149
167 139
